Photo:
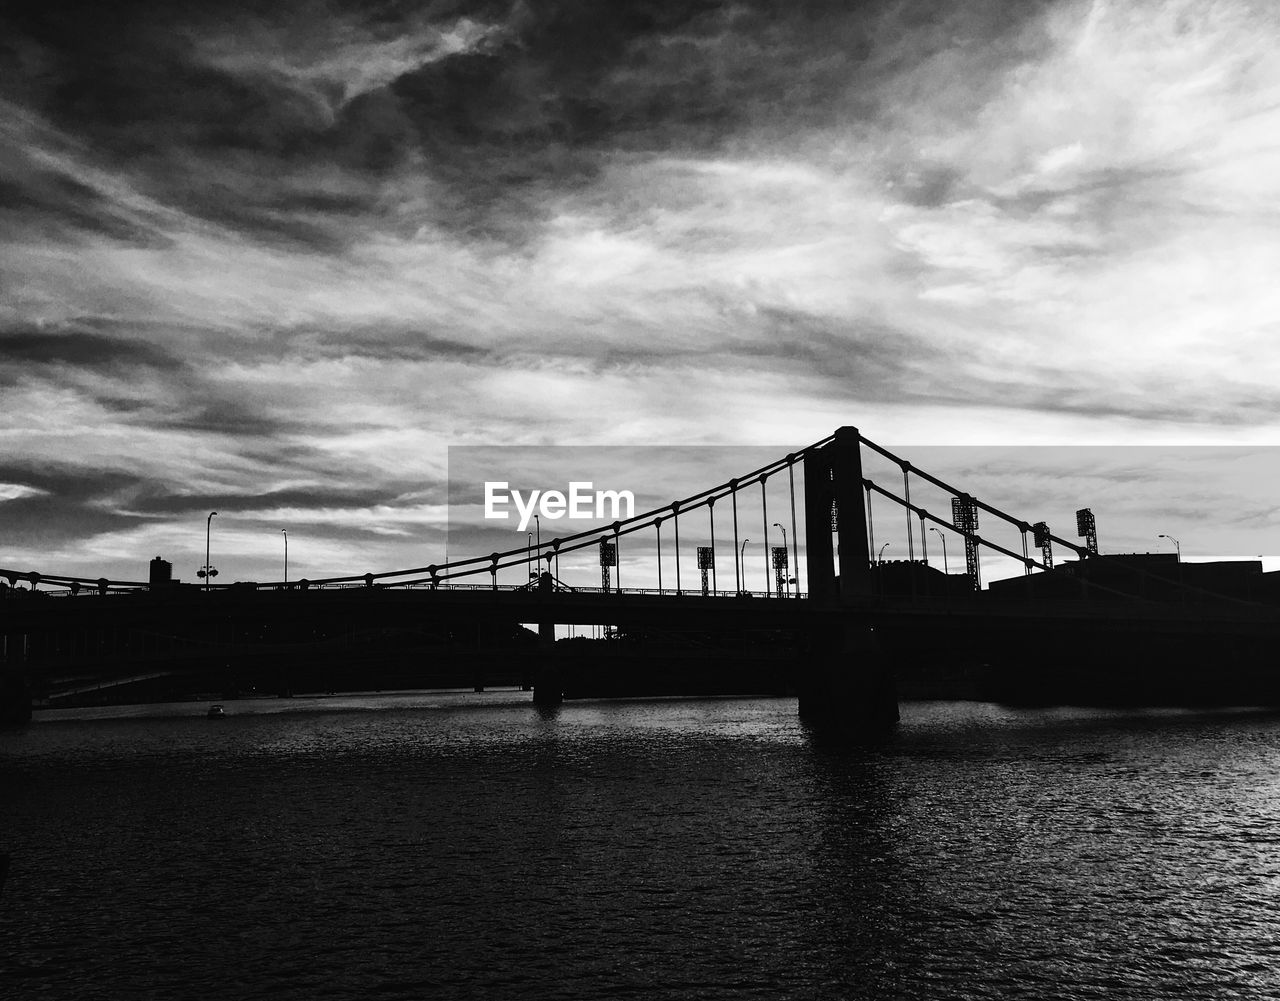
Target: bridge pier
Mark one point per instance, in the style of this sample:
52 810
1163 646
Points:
846 686
548 683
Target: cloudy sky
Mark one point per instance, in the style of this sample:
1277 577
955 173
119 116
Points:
273 259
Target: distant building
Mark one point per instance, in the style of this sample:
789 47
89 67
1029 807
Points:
161 573
915 577
1146 576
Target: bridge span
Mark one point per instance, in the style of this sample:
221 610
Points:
838 645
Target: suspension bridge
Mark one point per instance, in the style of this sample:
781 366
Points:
836 625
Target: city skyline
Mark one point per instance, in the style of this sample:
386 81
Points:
274 263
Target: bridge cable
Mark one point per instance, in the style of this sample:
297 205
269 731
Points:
676 529
764 509
711 513
871 531
906 492
1081 551
795 535
657 526
737 553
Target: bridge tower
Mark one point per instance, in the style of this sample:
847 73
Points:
833 482
846 688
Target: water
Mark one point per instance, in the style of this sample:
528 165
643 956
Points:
458 846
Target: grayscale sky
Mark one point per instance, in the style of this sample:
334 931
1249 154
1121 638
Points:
273 258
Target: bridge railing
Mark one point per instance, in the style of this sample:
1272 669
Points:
688 592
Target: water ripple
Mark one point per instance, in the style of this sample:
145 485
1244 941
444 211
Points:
422 846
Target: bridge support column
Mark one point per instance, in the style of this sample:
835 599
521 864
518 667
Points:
548 682
847 690
851 514
819 496
845 685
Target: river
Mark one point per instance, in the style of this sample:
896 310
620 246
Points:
459 845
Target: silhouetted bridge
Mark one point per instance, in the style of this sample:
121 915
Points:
837 644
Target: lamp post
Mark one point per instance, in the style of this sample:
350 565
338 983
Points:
286 554
880 555
208 571
529 562
1176 543
742 557
945 568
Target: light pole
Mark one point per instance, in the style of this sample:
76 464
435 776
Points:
880 555
529 562
286 554
945 569
537 524
742 558
208 571
1177 544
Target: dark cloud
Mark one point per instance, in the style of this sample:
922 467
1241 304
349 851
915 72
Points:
238 418
549 94
864 359
139 380
1104 396
551 81
870 360
59 208
71 503
383 343
929 185
235 148
315 497
34 346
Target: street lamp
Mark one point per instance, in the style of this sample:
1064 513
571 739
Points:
286 554
779 525
1176 543
945 569
880 555
207 571
742 561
